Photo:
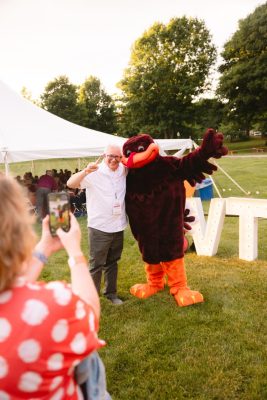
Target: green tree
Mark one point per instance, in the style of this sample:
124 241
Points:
168 68
60 98
243 83
98 108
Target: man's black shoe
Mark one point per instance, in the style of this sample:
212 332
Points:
115 300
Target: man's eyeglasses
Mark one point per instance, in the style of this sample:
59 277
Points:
111 156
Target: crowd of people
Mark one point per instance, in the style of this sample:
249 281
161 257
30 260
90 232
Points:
48 331
30 181
38 187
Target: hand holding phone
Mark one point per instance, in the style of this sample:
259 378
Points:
71 240
59 211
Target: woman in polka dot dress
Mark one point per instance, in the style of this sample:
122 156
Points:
46 329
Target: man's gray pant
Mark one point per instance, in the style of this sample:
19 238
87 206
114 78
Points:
105 252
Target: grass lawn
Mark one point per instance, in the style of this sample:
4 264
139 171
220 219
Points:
249 172
215 350
212 351
248 145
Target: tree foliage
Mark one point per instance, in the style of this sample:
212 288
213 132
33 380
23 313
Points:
243 83
87 105
98 108
168 68
60 98
207 113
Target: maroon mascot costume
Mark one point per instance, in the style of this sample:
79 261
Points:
155 202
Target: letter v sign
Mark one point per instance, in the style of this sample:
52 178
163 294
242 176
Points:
206 235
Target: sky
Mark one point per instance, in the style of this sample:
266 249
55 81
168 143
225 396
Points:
42 39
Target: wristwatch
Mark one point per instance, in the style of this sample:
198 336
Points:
72 261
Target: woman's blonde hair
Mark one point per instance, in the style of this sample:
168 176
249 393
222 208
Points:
17 237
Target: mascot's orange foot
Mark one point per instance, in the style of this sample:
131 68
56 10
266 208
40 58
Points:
187 297
143 290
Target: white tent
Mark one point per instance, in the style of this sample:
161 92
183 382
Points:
28 132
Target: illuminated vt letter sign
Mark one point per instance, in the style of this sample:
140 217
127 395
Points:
206 235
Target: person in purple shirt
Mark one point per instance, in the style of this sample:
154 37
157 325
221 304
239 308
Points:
45 185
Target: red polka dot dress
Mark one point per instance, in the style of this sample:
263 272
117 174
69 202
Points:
45 331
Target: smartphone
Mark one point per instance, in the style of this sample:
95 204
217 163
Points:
59 211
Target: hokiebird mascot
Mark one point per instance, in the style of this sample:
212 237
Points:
155 205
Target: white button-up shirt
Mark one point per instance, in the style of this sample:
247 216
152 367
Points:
104 188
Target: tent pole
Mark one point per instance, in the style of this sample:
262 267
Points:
6 164
32 167
216 188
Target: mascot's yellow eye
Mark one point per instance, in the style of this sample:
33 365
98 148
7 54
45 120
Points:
128 152
140 148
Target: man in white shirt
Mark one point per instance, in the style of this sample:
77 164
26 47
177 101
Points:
105 185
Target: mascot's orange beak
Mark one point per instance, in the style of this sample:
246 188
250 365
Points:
139 160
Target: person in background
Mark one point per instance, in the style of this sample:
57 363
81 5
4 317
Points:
45 185
19 180
35 179
77 201
28 179
46 329
105 185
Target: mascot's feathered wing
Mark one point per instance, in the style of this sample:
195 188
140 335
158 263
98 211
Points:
155 201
